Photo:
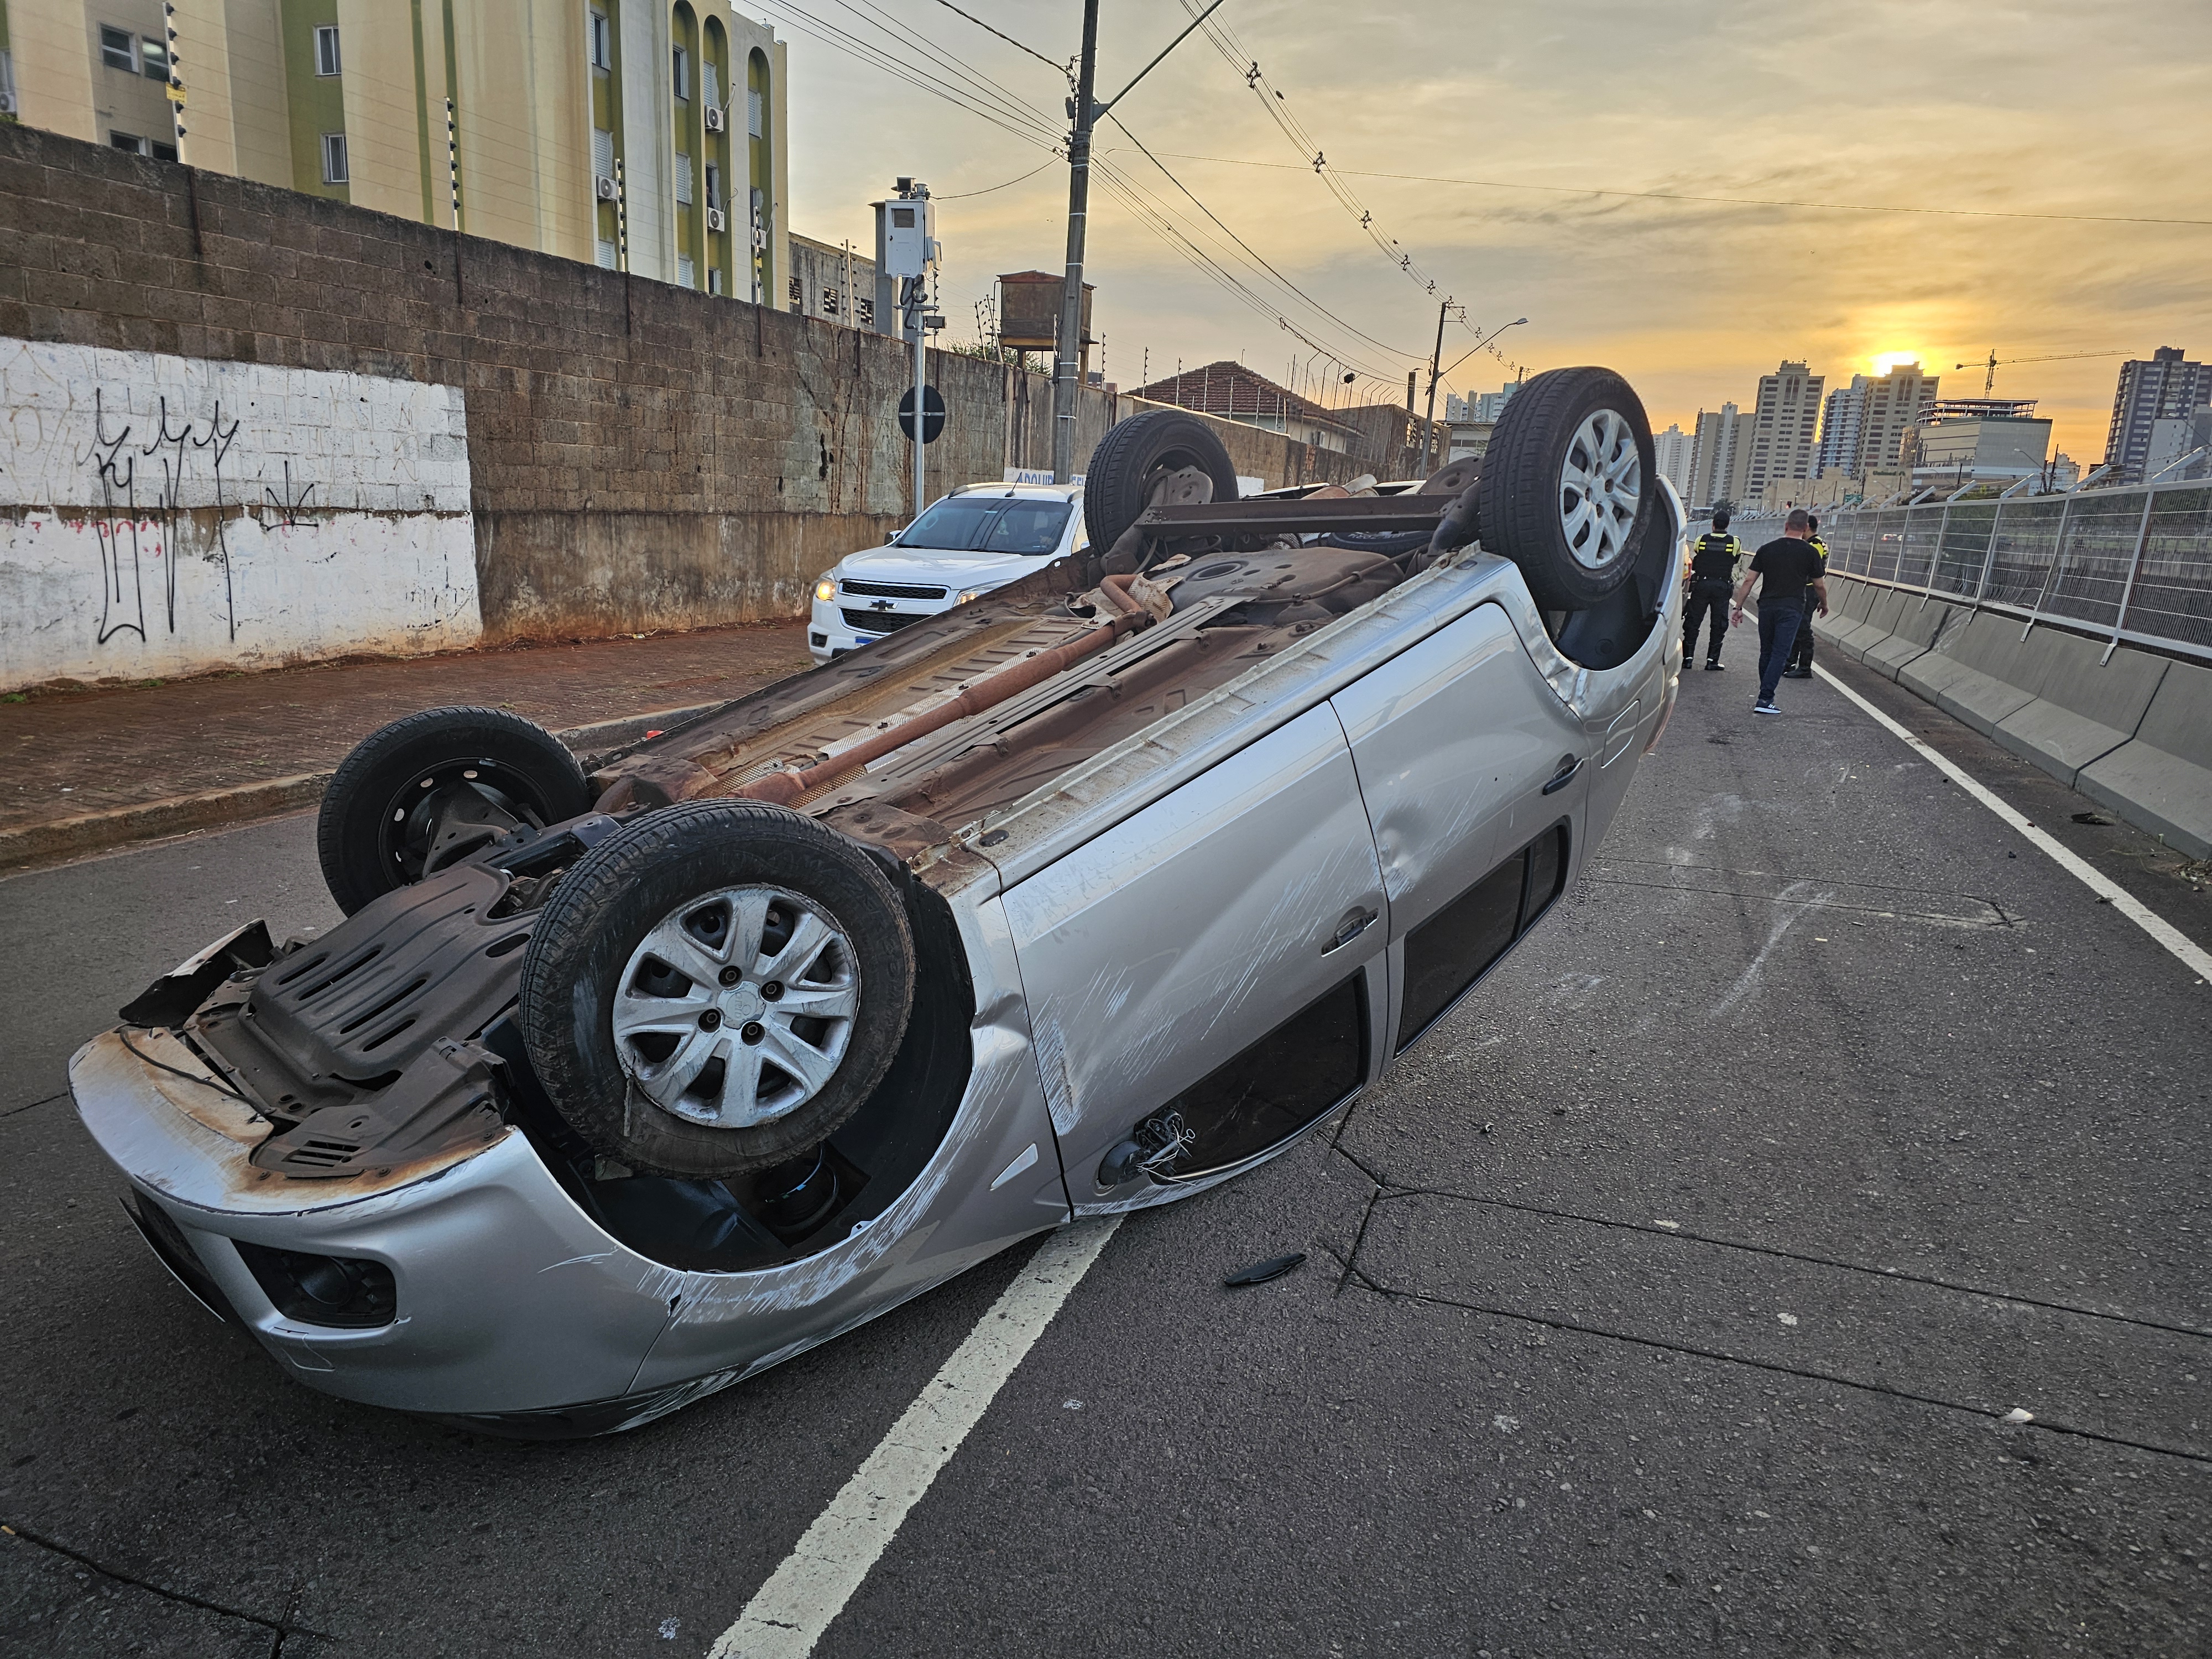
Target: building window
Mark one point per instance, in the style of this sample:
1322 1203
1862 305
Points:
680 76
686 275
714 185
682 179
118 51
603 42
753 114
714 280
154 57
130 142
327 50
334 158
161 152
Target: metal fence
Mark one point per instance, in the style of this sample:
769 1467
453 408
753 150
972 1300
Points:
2132 563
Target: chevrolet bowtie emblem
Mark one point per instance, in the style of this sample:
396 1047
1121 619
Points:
880 605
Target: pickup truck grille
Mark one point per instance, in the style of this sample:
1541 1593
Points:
893 590
879 622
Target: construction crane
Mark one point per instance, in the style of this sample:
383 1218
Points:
1996 362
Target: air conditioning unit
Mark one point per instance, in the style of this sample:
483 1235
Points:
604 188
717 220
715 119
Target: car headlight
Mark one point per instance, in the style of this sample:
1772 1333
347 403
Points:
968 593
826 589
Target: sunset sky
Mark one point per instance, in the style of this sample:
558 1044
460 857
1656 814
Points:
2025 109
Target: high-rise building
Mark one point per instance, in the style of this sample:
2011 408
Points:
1866 423
1489 406
642 134
2166 388
1671 451
1720 453
1841 422
1784 418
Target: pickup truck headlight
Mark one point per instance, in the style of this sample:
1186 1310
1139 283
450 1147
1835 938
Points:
968 593
826 589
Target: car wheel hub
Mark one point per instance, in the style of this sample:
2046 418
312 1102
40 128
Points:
1601 487
700 1036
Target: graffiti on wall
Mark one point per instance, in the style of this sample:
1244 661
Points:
167 515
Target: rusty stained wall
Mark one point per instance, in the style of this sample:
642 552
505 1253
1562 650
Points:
640 455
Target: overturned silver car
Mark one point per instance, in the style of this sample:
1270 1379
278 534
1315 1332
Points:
1083 897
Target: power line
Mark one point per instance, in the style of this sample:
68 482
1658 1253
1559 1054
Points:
1007 110
964 195
1731 201
1008 38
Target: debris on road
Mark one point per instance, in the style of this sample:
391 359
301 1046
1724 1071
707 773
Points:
2017 1416
1261 1272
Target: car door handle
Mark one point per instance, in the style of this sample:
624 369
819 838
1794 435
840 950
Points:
1356 921
1569 765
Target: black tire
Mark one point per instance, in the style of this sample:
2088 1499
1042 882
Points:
1133 456
630 884
1529 496
373 833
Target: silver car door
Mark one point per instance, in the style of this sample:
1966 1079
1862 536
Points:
1465 757
1199 977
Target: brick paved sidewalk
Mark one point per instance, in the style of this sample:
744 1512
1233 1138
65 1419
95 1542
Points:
73 753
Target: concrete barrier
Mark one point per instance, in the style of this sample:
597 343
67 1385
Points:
2133 732
2084 707
1918 627
2161 778
1982 687
1882 614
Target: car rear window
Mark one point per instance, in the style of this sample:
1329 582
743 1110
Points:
989 523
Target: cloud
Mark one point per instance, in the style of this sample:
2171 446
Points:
2030 105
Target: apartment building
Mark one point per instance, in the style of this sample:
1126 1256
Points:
645 135
836 284
2155 406
1866 423
1784 418
1671 451
1720 454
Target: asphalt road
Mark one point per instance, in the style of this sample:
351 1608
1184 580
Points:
1667 1300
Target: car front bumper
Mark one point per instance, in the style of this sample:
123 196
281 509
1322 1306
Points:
830 632
515 1308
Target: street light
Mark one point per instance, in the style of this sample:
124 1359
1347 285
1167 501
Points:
1487 343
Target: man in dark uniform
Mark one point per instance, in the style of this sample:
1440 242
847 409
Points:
1801 660
1791 578
1711 577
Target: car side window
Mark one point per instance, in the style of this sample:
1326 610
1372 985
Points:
1453 949
1298 1073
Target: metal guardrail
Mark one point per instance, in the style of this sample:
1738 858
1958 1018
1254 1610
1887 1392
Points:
2132 563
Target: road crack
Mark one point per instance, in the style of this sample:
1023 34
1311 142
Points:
280 1628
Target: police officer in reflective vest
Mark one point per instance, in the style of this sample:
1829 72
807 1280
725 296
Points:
1711 579
1801 656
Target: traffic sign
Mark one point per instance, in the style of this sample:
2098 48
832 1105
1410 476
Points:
933 413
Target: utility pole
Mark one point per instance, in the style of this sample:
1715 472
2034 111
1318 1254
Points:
1436 373
1084 113
1067 378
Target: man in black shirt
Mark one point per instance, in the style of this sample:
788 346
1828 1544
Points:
1712 576
1801 659
1788 570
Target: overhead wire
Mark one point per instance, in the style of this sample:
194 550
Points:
980 95
1223 40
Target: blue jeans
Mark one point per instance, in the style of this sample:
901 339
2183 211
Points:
1777 634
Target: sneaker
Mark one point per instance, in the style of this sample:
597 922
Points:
1763 706
1712 668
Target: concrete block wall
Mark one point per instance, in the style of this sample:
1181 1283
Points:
2132 729
637 455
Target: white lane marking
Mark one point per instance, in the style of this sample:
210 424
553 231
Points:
790 1612
2192 956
